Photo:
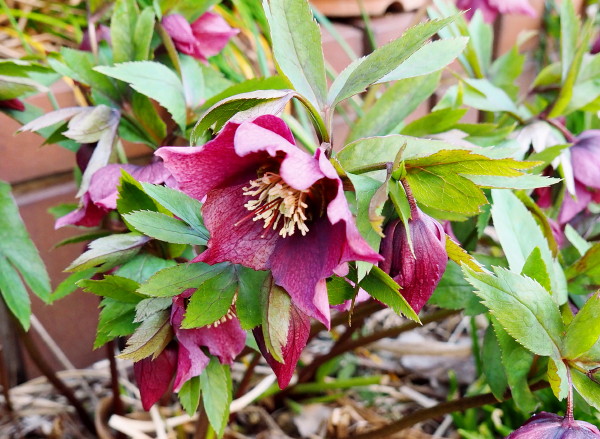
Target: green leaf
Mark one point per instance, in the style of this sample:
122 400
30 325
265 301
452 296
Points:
249 304
122 30
523 308
175 280
558 378
109 251
368 70
189 395
132 196
588 264
428 59
154 80
270 83
276 319
584 331
297 47
148 118
442 180
142 36
483 95
383 288
179 204
69 285
16 246
454 292
588 389
212 300
517 362
114 287
240 107
393 106
150 338
535 268
191 9
165 228
116 320
144 309
519 235
492 364
434 122
141 267
216 394
14 293
569 34
339 290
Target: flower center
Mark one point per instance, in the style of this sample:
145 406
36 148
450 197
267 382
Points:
276 202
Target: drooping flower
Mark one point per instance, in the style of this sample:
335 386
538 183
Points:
491 8
185 359
418 272
12 104
205 37
271 206
585 161
545 425
101 196
224 339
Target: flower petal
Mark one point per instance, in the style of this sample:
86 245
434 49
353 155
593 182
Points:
212 33
298 333
153 377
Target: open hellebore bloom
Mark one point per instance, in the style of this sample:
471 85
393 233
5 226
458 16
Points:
585 160
417 273
271 206
205 37
545 425
491 8
224 339
101 196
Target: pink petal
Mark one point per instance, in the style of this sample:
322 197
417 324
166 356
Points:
212 33
513 7
86 215
298 333
585 157
153 377
178 29
12 104
570 206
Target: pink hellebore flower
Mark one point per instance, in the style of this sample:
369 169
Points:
225 340
491 8
205 37
101 196
545 425
418 274
585 160
271 206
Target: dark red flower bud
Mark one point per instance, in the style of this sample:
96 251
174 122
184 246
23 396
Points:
545 425
418 272
12 104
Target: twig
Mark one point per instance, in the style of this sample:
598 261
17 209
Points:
241 390
4 381
442 409
41 364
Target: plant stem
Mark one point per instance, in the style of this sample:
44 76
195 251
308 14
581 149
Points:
360 312
114 383
368 339
4 381
47 371
202 424
241 390
414 213
439 410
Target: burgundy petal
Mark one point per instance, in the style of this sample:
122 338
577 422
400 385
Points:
298 333
153 377
571 207
585 157
86 215
545 425
418 274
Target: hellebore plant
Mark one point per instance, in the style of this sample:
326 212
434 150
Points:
250 215
492 8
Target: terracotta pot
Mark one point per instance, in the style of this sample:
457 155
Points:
101 417
351 8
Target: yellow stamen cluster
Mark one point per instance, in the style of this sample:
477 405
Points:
277 201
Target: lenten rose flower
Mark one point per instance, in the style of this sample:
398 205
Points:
491 8
205 37
418 272
545 425
154 376
585 161
271 206
101 196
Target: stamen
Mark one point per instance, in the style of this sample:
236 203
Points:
276 201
